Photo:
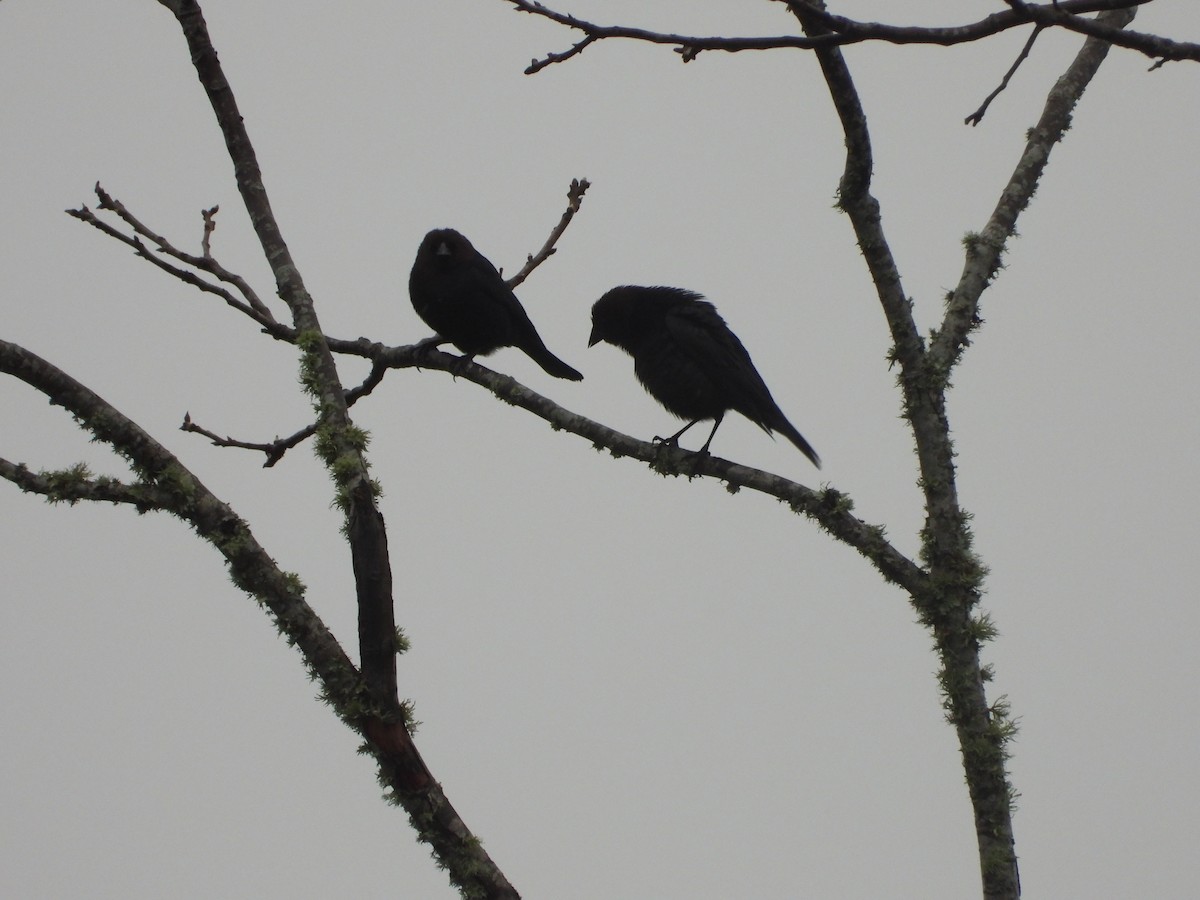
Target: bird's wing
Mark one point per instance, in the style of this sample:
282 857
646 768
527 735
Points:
700 332
488 282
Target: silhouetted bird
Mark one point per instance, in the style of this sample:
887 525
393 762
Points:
462 297
687 358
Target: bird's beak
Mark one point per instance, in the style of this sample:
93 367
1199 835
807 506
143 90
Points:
594 338
443 249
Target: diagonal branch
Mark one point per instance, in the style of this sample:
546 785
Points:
985 249
829 508
205 262
955 575
862 208
252 306
976 117
575 194
166 484
342 447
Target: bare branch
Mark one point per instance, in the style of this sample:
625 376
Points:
862 208
536 65
838 31
276 449
210 225
985 250
252 307
1158 48
205 262
976 117
575 194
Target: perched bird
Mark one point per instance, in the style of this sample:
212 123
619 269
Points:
461 296
687 358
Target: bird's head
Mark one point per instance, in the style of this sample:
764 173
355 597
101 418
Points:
444 246
612 315
629 315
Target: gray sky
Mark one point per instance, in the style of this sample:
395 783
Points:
629 686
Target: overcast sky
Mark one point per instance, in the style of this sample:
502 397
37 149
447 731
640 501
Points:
630 686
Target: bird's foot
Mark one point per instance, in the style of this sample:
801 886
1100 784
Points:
459 366
430 343
425 348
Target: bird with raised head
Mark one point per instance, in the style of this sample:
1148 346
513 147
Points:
689 360
459 294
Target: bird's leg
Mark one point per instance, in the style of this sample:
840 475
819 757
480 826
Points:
673 440
716 425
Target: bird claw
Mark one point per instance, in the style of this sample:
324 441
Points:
430 343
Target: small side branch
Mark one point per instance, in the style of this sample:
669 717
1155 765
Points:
275 449
976 117
536 65
575 194
77 483
249 304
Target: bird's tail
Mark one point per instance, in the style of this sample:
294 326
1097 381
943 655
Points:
784 427
537 351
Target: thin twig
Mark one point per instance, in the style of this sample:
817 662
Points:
187 277
205 263
536 65
210 224
276 449
976 117
575 194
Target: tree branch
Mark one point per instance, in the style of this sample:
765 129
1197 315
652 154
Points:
948 598
1159 48
831 509
976 117
575 194
252 306
985 250
838 31
206 262
76 483
342 447
166 484
275 449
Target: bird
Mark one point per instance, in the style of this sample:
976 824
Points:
689 360
460 295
